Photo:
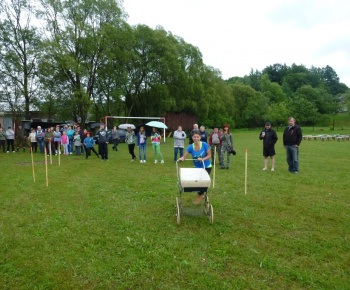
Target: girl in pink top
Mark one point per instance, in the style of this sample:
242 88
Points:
65 142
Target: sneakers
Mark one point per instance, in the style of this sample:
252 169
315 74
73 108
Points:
162 161
156 161
296 172
227 168
132 160
13 151
264 169
144 161
272 169
8 151
141 161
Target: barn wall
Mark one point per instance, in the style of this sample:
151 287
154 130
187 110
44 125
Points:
173 120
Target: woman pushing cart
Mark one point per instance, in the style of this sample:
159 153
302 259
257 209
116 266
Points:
196 179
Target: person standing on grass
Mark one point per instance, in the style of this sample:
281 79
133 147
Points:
201 153
77 142
65 142
33 140
89 145
2 139
21 139
40 139
215 142
130 138
269 137
10 139
48 140
115 138
103 138
179 142
227 145
292 137
155 137
80 132
141 144
57 139
204 134
70 134
83 136
195 128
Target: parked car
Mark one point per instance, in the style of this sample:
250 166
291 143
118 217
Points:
121 133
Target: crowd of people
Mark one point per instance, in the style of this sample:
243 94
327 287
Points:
201 147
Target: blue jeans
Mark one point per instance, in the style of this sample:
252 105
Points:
292 158
176 150
142 147
70 146
41 146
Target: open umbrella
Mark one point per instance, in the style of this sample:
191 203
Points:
157 124
126 126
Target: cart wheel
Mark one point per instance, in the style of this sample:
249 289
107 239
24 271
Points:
211 214
206 205
177 211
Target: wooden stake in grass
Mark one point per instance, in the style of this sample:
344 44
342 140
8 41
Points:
31 153
50 151
47 176
214 167
246 171
59 153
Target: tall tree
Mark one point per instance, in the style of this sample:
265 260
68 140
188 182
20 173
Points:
77 44
19 44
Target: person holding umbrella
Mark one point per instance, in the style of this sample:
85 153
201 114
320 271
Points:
155 137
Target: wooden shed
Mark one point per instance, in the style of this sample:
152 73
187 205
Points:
173 120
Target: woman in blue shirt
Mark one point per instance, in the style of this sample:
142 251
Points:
201 153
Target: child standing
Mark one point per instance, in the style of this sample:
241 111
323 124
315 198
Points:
33 140
65 142
141 143
77 142
156 145
89 145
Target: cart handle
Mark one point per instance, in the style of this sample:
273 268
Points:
177 167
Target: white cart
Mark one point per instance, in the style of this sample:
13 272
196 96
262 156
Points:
193 180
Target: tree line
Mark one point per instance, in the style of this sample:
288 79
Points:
75 59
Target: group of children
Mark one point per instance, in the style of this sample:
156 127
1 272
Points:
53 139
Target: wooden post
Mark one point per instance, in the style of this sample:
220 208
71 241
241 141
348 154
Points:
50 151
59 154
31 153
246 171
47 176
214 167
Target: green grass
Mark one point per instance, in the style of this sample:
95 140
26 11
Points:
113 225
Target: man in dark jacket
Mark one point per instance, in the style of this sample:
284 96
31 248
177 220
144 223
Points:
103 138
292 137
21 140
269 138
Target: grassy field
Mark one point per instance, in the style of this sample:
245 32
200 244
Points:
113 224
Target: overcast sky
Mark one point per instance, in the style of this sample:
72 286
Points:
235 36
